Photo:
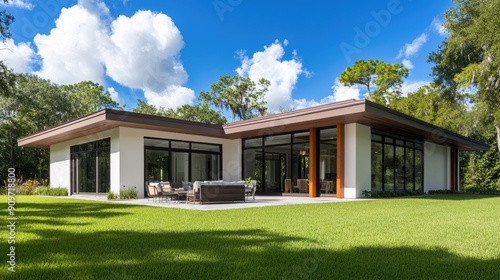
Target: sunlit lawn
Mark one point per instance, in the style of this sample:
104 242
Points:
440 237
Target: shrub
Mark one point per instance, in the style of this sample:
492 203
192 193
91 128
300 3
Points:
382 194
129 193
47 190
367 194
442 192
112 195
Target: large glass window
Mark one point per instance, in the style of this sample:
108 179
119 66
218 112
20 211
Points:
327 160
272 159
396 164
90 167
181 161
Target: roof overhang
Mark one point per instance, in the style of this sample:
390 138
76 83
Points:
327 115
351 111
108 119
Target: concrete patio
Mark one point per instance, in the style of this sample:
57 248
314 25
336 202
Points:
260 201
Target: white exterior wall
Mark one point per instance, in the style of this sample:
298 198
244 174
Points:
357 167
127 157
60 173
436 167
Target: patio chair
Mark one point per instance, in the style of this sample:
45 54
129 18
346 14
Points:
302 184
250 190
151 192
166 191
288 185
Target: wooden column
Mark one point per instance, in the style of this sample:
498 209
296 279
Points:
454 169
313 169
340 159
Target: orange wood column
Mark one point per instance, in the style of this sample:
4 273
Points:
340 159
313 169
454 169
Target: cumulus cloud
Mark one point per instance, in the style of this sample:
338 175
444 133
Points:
172 97
407 63
140 52
412 86
340 93
411 49
18 4
438 26
269 64
18 57
72 51
114 95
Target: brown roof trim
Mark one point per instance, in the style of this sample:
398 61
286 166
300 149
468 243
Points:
327 115
433 133
107 119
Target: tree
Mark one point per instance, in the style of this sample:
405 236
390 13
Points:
385 78
89 97
240 95
429 104
37 104
7 80
469 59
197 113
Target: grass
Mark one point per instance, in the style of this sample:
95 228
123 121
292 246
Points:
439 237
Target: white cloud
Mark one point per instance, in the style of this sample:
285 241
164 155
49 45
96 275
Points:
304 103
412 86
18 57
140 52
144 52
72 51
407 63
411 49
269 64
172 97
115 95
438 26
341 92
18 4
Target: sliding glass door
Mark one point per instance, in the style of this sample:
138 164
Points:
90 167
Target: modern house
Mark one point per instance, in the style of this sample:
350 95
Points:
341 148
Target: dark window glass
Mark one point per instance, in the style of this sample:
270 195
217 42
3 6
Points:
159 143
252 142
388 167
205 167
277 140
301 137
389 140
418 170
90 166
399 161
377 158
328 134
376 137
179 145
205 147
410 161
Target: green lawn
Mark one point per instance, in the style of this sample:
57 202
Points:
439 237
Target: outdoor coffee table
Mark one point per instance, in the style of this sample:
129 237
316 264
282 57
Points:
182 193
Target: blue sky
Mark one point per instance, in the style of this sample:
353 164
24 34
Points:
166 52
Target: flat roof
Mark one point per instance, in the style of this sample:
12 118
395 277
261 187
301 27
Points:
327 115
